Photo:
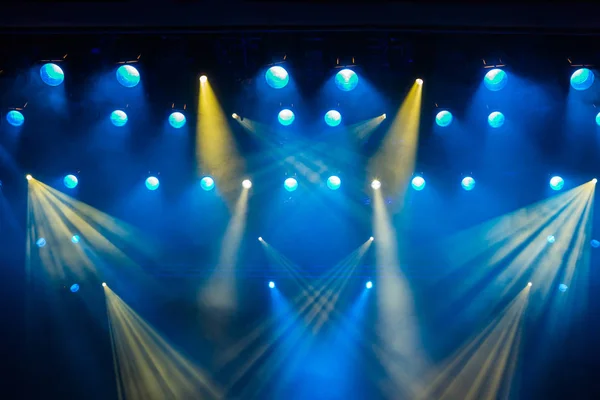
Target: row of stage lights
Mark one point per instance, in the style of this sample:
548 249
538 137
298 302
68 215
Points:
291 184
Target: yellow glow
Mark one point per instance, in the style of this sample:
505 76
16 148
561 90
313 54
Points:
419 81
203 79
234 116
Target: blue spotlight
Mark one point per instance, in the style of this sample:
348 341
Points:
118 118
369 285
290 184
496 119
582 79
551 239
286 117
15 118
272 285
70 181
152 183
443 118
346 80
334 182
207 183
52 74
595 243
75 239
128 76
562 287
41 242
468 183
177 120
333 118
495 79
556 183
598 119
277 77
74 288
418 183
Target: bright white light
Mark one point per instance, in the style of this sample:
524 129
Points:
272 285
529 284
419 81
371 238
103 284
594 180
260 239
203 79
369 285
247 184
375 185
234 116
384 116
28 177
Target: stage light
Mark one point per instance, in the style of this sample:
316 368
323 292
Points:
28 177
495 79
582 79
128 76
598 119
74 288
41 242
277 77
118 118
286 117
207 183
235 116
203 79
595 243
529 284
468 183
419 81
15 118
369 285
496 119
443 118
70 181
371 238
177 120
103 284
556 183
562 287
75 239
272 285
152 183
246 183
52 74
418 183
334 182
384 116
260 239
346 80
333 118
375 184
594 180
551 239
290 184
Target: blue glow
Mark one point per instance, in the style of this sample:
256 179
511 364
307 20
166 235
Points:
41 242
556 183
551 239
443 118
74 288
70 181
177 120
496 119
286 117
598 119
562 287
369 285
75 239
495 79
334 182
15 118
418 183
207 183
277 77
152 183
272 285
346 80
128 76
468 183
290 184
52 74
333 118
118 118
582 79
595 243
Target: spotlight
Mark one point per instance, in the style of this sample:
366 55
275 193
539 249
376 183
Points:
375 184
418 183
333 118
246 183
346 80
41 242
260 239
70 181
598 119
495 79
582 79
371 238
290 184
334 182
74 288
75 239
235 116
286 117
496 119
556 183
443 118
128 76
595 243
118 118
52 74
551 239
384 116
152 183
272 285
177 120
277 77
468 183
562 287
529 284
15 118
419 81
103 284
28 177
594 180
203 79
369 285
207 183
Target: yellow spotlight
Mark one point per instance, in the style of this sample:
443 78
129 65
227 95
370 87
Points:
260 239
375 185
419 81
234 116
203 79
529 284
103 284
371 238
28 177
246 183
